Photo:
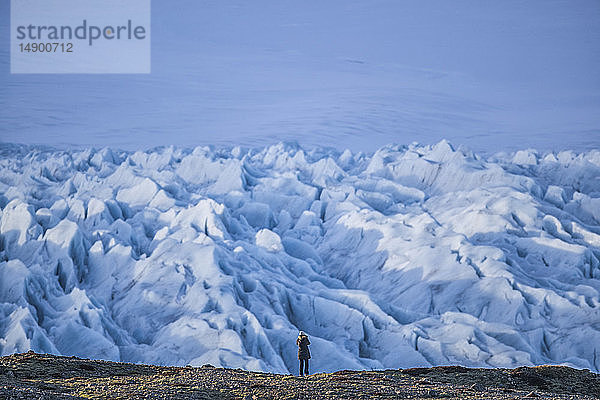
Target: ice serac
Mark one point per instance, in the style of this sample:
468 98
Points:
412 256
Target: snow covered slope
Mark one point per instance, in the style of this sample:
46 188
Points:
410 256
252 73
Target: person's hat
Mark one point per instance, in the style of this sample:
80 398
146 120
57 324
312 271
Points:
302 333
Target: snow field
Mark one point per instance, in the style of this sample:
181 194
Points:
410 256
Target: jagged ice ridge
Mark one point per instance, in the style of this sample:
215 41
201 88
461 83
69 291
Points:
411 256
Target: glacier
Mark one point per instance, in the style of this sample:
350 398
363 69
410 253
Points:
413 255
227 73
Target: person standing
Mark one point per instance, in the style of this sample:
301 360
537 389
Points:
303 352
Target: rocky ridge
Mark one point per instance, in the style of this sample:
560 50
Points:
42 376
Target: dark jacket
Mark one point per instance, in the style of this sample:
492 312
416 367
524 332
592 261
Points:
303 352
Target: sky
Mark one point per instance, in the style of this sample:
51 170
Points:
491 76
